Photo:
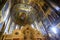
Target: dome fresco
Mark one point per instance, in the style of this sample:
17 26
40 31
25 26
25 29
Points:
23 14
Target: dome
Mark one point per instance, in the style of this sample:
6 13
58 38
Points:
23 14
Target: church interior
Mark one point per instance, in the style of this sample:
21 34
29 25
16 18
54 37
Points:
29 19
